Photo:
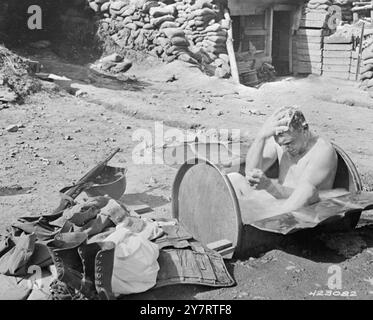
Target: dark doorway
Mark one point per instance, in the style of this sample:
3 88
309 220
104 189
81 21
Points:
281 42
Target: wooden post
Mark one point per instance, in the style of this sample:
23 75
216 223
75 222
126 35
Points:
230 49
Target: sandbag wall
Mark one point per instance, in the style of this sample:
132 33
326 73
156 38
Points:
308 42
188 30
366 70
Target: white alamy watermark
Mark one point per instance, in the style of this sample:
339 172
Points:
35 279
173 146
335 285
35 20
335 17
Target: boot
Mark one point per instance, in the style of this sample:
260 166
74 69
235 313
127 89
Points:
64 251
98 263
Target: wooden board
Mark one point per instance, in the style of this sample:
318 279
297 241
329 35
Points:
337 68
313 24
316 16
309 45
308 52
337 61
338 47
310 39
308 71
312 65
337 54
311 32
306 58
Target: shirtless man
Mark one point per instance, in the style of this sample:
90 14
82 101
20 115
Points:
308 164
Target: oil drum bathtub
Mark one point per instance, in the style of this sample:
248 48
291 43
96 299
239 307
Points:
205 203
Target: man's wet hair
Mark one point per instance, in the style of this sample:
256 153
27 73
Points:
297 120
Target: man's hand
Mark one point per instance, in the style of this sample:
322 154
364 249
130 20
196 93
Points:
258 179
274 126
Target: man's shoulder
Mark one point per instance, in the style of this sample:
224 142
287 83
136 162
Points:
324 149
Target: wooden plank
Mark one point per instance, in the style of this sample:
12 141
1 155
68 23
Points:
316 16
311 32
337 68
311 39
220 245
316 53
309 46
306 58
337 54
308 70
338 47
313 24
337 61
311 65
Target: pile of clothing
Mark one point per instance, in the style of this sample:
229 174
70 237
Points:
102 250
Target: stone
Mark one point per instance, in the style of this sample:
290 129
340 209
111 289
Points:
12 128
222 72
115 57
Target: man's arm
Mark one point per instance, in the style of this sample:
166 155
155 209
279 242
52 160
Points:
262 154
321 167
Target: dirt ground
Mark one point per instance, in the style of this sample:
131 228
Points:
63 136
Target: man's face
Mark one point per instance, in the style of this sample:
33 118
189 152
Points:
292 142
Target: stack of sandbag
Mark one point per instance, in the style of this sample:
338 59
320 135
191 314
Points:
190 31
308 42
366 69
339 55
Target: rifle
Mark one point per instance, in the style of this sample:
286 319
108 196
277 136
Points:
71 193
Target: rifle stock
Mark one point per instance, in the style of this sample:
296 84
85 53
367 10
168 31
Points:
73 192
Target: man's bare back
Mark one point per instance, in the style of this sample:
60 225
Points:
307 168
